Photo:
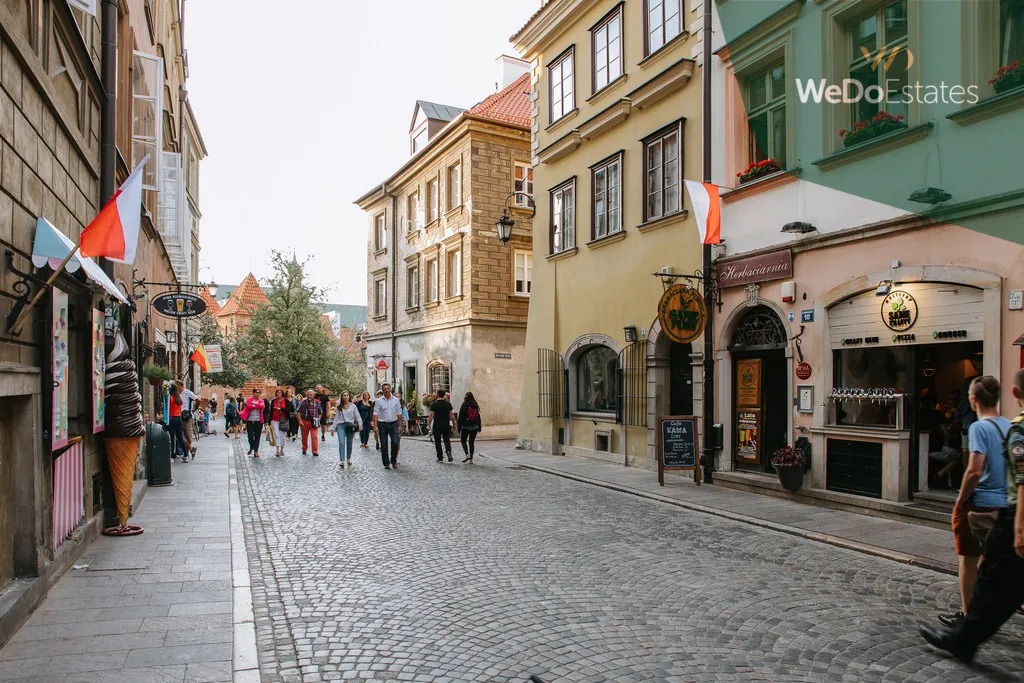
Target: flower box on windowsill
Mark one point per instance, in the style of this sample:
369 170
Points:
758 169
1009 77
1005 101
761 184
883 143
878 125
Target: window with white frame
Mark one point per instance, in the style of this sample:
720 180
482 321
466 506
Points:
523 182
380 297
454 186
440 377
561 93
523 273
415 212
606 38
432 281
663 161
766 114
419 139
883 31
433 200
147 115
563 217
380 232
413 286
664 20
607 187
453 272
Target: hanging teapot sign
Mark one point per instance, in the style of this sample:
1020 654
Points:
682 314
179 305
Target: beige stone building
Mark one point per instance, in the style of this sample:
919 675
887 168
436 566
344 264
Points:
448 300
616 127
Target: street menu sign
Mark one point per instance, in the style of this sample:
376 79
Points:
761 268
678 445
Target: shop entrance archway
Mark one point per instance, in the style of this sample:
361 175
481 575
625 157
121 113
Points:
760 392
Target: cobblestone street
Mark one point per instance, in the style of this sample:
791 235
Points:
491 572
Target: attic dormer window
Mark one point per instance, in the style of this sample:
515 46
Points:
419 138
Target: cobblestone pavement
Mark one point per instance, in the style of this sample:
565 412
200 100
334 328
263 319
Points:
486 572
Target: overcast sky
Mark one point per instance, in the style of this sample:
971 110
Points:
306 106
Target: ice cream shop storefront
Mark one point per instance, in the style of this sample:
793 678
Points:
867 373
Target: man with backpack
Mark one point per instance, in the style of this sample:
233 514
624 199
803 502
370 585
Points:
999 591
441 423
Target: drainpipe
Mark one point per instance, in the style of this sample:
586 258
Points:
108 126
709 348
394 280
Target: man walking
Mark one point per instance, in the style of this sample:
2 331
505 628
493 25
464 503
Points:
387 425
999 591
310 417
441 423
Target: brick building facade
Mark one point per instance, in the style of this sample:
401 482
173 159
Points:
445 309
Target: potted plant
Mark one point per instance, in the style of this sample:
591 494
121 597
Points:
879 124
426 400
789 465
156 374
756 169
1008 77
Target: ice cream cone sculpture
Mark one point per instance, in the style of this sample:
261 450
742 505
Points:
124 430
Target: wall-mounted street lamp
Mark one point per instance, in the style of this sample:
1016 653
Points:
929 195
630 331
798 228
504 225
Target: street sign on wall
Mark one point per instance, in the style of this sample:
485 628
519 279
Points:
179 305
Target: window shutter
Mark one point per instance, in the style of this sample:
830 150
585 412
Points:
175 231
147 115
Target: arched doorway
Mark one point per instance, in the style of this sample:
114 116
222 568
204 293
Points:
761 396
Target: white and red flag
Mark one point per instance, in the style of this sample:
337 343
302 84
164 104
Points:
114 233
707 210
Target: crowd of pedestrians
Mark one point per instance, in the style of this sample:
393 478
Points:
312 416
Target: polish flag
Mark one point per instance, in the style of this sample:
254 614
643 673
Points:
706 209
114 233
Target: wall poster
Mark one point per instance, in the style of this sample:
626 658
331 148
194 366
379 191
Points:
59 342
748 382
748 434
99 372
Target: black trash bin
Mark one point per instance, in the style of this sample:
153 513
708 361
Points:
158 454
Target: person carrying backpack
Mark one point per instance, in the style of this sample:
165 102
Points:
469 425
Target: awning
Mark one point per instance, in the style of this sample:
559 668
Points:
52 247
1020 341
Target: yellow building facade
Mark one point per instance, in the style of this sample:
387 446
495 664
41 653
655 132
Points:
616 127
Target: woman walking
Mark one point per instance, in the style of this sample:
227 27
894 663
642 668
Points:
252 413
175 426
366 416
469 425
346 423
291 409
230 416
279 419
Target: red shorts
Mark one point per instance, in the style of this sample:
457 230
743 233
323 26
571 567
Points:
966 543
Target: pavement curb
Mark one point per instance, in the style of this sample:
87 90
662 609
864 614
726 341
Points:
818 537
245 665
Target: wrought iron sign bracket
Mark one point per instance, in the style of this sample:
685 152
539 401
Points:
22 290
712 290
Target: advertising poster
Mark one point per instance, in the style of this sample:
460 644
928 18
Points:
59 341
216 360
99 372
748 382
748 437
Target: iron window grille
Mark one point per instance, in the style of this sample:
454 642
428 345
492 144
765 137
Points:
552 385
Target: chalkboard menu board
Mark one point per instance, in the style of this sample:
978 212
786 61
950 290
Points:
677 445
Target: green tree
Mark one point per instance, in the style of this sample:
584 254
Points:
289 341
235 373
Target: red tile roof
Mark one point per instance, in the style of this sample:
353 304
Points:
212 307
245 299
511 105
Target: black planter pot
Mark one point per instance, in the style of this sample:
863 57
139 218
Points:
791 478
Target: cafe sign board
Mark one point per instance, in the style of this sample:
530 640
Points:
776 265
179 305
678 446
899 310
682 314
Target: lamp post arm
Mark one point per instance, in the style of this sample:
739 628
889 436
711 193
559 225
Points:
529 199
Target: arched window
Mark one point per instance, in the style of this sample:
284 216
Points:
596 385
760 329
440 374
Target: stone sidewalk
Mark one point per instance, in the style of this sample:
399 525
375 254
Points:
172 604
900 541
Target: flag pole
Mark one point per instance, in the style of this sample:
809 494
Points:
708 386
16 326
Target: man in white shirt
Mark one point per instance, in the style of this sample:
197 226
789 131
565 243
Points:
189 403
387 425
